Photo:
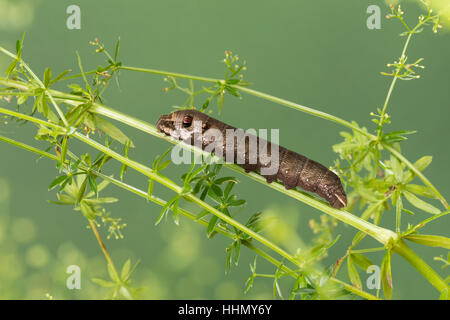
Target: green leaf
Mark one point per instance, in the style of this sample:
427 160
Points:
232 91
164 212
112 131
213 195
211 225
225 179
22 99
101 200
206 103
164 165
93 185
249 283
220 101
229 257
361 261
237 203
86 82
420 190
397 199
237 251
65 198
79 114
87 210
175 213
100 187
103 283
47 77
444 294
64 149
112 274
56 182
419 203
11 68
82 190
353 273
202 214
19 45
233 81
430 240
116 53
228 188
217 191
396 168
386 276
126 293
59 77
420 165
124 167
396 136
75 88
151 184
125 270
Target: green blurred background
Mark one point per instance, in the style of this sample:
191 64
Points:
316 53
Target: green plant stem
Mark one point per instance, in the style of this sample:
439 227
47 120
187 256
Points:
368 250
391 88
403 250
304 109
262 95
170 74
183 212
103 247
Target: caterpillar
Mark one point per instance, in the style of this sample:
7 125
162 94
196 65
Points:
292 169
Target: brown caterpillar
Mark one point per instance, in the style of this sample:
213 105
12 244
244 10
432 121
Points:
293 169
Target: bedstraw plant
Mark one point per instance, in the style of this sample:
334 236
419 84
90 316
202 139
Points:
376 174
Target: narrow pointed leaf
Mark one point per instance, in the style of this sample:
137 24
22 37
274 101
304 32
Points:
419 203
430 240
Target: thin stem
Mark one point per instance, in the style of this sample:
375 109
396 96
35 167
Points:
391 88
402 249
305 109
103 247
368 250
170 74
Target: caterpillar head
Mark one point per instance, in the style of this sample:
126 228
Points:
182 124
